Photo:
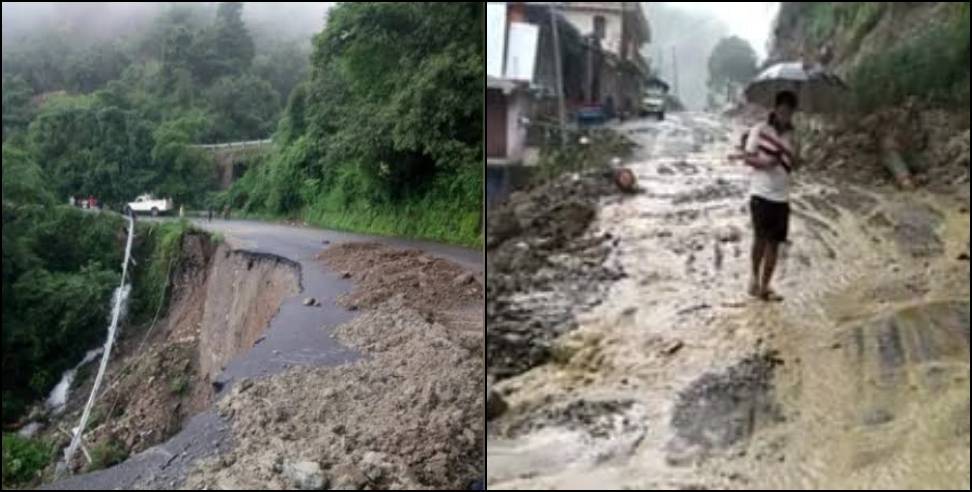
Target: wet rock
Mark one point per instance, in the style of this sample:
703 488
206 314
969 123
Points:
721 190
348 477
729 234
540 264
606 419
244 385
625 180
373 466
495 405
463 279
877 417
305 475
673 347
694 309
915 231
721 409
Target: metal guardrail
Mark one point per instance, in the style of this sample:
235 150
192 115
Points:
233 145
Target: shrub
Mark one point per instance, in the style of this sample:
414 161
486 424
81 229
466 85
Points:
23 459
106 455
933 66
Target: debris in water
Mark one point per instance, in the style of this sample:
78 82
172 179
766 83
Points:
625 180
310 301
721 409
305 475
673 347
245 384
495 406
539 250
729 234
692 309
607 420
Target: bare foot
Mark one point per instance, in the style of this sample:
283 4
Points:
754 289
770 296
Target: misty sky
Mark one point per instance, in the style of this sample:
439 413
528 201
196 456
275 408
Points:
751 21
108 20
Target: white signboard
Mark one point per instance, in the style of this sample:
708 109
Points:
495 38
522 54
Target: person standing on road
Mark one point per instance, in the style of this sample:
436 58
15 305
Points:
769 152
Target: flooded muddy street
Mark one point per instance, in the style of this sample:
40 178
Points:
646 365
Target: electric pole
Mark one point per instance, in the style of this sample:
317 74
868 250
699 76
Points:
561 105
675 70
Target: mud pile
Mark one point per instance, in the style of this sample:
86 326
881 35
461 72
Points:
543 268
407 416
379 272
934 144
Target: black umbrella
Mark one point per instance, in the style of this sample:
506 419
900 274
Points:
817 90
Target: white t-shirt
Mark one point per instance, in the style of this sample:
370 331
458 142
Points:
772 183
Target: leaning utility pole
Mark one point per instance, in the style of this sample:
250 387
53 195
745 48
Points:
675 70
562 108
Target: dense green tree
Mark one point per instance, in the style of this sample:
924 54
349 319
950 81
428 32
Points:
17 108
184 173
731 65
23 180
243 107
389 124
88 149
283 64
225 48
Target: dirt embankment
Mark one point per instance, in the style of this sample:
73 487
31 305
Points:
852 146
933 144
543 268
221 300
407 415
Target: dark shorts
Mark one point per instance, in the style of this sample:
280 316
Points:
771 220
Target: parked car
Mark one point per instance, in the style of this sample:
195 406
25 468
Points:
147 204
653 104
654 100
589 116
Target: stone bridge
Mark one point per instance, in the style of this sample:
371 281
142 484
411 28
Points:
231 158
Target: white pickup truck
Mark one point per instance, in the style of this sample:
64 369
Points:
147 204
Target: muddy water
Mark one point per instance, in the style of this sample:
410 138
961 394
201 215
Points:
864 379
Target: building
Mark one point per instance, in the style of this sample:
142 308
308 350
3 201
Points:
601 65
511 58
615 70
